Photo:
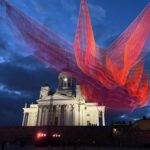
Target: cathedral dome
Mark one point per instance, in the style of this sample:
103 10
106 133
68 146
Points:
66 81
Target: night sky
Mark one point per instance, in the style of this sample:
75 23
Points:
21 76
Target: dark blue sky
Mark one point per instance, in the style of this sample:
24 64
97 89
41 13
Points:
21 76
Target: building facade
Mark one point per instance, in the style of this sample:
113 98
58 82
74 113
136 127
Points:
66 107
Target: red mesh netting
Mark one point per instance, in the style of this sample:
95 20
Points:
114 77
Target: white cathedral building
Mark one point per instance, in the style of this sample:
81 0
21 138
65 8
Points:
66 107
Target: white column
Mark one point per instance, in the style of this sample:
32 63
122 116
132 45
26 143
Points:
58 114
39 117
62 111
50 115
79 115
23 121
75 115
35 118
85 115
67 116
46 116
82 119
26 119
54 114
43 117
103 118
24 116
98 117
71 115
29 119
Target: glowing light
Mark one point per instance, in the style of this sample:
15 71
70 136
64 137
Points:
55 135
41 135
59 135
114 130
65 79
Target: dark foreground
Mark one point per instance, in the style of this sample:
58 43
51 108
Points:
68 137
68 148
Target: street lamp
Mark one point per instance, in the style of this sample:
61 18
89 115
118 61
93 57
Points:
114 130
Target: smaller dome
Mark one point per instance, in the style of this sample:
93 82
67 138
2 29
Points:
66 81
65 74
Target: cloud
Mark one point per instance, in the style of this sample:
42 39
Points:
97 12
20 81
132 116
11 109
69 5
3 88
18 86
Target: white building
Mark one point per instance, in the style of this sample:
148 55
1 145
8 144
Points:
66 107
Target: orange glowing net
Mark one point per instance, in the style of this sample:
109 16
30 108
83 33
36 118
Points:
114 77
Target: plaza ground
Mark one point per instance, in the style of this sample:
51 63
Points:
68 148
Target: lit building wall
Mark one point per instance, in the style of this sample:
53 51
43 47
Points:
66 107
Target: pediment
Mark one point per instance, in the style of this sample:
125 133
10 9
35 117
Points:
58 96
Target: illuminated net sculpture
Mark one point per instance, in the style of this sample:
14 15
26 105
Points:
113 77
